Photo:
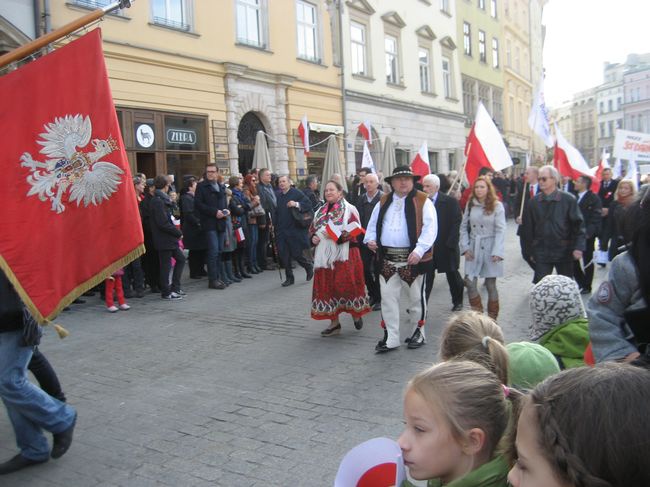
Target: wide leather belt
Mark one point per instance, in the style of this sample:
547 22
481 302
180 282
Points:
396 254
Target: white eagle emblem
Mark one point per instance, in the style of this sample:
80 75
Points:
89 179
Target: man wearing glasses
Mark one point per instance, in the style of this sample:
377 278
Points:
554 225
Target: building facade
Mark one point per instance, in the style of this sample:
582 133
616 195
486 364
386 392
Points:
562 117
401 73
583 113
538 148
609 103
636 107
19 22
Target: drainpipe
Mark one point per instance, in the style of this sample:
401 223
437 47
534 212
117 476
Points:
37 18
343 96
47 16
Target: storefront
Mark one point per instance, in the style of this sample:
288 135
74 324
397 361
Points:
165 142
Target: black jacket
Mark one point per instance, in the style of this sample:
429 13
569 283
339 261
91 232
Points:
446 253
193 236
313 197
606 194
554 227
207 201
11 307
591 207
164 232
365 208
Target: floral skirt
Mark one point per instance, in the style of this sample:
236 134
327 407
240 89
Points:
340 290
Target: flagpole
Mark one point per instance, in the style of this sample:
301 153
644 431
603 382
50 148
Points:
40 42
523 195
462 171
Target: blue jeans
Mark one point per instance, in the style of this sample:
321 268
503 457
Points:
251 245
215 247
29 408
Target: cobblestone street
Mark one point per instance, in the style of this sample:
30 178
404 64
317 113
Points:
234 387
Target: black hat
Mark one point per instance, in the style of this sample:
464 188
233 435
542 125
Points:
402 171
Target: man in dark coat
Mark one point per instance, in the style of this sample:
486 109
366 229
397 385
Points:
194 239
311 191
446 253
165 239
268 201
291 238
554 226
606 193
365 204
591 209
358 188
211 203
527 188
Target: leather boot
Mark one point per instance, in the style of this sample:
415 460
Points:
493 309
229 271
242 268
476 304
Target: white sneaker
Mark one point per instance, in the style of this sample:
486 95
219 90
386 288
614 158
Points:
173 296
124 307
112 309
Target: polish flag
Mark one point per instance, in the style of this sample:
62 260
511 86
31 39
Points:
568 160
367 161
303 130
366 131
485 146
420 164
597 172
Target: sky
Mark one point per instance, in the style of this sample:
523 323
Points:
582 34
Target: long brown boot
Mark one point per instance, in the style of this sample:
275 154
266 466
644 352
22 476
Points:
476 303
493 309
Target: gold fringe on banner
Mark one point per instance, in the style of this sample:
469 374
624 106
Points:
72 295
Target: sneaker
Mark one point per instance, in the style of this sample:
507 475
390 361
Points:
181 292
112 309
124 307
173 296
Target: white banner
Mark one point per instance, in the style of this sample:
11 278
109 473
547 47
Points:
632 146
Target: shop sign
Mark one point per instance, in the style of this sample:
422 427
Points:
178 136
144 134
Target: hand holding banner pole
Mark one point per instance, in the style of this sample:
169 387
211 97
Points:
462 171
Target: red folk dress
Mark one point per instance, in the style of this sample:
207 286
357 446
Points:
339 285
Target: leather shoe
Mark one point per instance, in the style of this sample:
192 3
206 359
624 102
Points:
18 463
358 324
288 282
417 340
331 330
457 307
376 306
310 272
382 348
216 285
62 441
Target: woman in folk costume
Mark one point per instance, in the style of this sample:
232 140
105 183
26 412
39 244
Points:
482 236
339 285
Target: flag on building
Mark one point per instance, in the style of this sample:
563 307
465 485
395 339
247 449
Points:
538 120
365 129
568 160
367 158
69 208
420 164
485 146
303 130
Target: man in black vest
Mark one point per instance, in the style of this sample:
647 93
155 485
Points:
591 210
365 204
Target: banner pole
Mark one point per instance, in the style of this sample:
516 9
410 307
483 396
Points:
40 42
462 171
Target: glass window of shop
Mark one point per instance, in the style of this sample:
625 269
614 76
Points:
186 147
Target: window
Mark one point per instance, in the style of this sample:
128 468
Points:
358 46
497 107
307 23
610 105
469 100
495 53
425 70
601 107
517 65
392 60
482 54
251 22
444 6
481 4
446 77
493 8
467 39
508 53
172 13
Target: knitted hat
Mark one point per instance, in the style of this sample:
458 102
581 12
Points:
529 364
553 301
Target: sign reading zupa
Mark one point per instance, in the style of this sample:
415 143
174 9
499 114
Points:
633 146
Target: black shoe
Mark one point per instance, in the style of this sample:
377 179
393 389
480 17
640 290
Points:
216 285
585 290
18 463
329 331
358 324
139 293
155 290
288 282
128 294
417 340
457 307
376 306
89 293
62 441
310 272
79 301
195 276
382 348
234 278
246 275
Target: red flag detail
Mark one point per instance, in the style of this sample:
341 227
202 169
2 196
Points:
365 131
382 475
303 130
69 205
420 164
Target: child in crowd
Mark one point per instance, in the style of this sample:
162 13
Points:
456 414
585 427
115 282
559 319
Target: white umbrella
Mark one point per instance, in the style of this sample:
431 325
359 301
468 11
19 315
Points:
261 156
332 164
388 163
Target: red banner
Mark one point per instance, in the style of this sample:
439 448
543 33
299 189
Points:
69 211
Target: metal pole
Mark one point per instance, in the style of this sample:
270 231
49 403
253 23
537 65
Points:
36 44
343 95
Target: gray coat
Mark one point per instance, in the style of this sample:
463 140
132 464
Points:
611 337
484 235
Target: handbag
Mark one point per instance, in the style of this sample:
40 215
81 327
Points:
258 211
303 220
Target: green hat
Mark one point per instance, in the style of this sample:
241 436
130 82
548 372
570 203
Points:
529 364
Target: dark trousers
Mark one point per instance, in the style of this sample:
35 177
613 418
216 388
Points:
45 375
285 259
166 266
605 234
524 252
543 269
196 262
151 265
133 278
584 277
262 246
370 274
455 282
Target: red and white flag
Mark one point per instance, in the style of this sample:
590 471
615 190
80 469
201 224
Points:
365 129
367 161
568 160
538 117
69 208
303 130
597 172
420 164
485 146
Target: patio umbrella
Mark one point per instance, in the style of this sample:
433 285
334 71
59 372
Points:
388 161
332 164
261 156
